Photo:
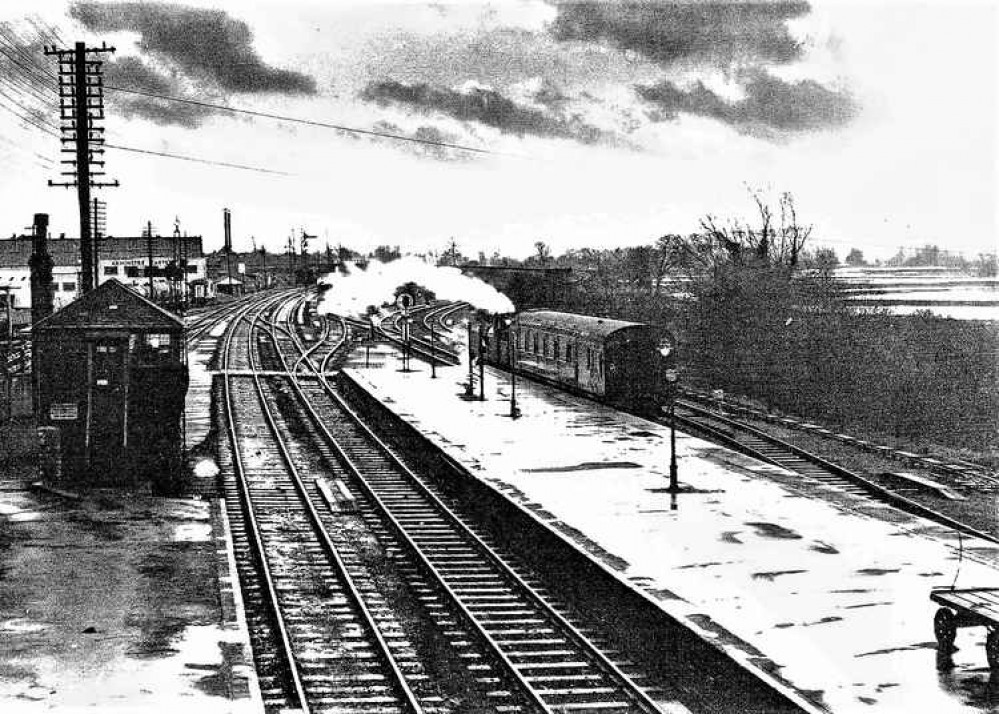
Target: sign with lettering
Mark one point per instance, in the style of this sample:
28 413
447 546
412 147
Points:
63 411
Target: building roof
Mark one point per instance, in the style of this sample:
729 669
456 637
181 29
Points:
112 306
599 327
15 252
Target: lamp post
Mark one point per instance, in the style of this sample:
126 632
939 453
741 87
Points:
671 378
470 386
511 324
405 338
433 351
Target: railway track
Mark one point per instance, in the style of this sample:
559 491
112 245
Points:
428 346
516 641
812 467
962 474
318 643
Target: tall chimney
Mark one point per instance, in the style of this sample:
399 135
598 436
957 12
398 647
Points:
41 269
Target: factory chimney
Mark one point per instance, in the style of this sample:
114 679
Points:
41 289
41 269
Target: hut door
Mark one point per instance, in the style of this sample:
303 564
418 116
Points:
106 418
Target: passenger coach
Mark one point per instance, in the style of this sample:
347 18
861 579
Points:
612 360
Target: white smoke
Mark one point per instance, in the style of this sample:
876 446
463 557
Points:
353 292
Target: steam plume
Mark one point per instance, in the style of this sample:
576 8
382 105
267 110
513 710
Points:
353 293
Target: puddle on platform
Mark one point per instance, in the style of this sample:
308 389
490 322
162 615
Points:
585 466
877 571
772 530
772 575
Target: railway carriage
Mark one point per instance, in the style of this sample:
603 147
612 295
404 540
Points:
612 360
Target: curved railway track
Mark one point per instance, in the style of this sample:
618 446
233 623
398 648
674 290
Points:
516 639
962 474
754 442
319 645
424 345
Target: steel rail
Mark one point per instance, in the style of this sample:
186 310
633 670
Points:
628 688
409 700
872 489
254 528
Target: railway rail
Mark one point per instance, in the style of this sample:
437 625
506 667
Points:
519 641
318 643
963 474
424 345
756 443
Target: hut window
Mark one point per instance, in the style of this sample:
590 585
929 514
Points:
69 287
158 339
110 269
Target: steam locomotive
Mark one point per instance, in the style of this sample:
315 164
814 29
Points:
614 361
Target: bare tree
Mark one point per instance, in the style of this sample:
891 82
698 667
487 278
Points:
793 235
544 252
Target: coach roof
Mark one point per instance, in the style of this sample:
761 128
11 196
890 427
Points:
598 327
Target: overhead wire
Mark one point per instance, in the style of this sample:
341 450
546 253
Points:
39 74
181 157
307 122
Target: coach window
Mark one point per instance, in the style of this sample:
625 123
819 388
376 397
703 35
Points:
600 365
544 346
110 269
535 340
568 352
556 351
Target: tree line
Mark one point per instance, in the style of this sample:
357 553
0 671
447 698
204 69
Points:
758 312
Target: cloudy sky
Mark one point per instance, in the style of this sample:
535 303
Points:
592 124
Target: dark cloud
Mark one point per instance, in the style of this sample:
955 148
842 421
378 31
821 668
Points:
430 134
484 106
691 31
770 104
205 44
133 73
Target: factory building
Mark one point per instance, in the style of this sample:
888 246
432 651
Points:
125 259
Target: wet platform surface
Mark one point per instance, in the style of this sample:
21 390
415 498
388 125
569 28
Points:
111 603
832 588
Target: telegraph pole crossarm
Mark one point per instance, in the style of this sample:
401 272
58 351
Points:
81 106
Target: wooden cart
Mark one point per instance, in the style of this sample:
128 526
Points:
967 607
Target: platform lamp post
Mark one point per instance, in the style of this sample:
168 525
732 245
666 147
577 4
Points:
511 324
671 377
470 386
433 351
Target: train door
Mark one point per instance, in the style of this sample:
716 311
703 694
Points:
107 409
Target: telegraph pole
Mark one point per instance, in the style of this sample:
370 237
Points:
99 216
149 250
227 229
81 106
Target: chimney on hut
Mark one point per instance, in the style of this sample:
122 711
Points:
41 269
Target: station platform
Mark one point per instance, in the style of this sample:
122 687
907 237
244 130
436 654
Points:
831 588
118 602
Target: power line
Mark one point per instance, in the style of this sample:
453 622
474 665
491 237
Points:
31 75
282 117
168 155
307 122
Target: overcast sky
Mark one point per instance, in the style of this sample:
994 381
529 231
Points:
609 124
